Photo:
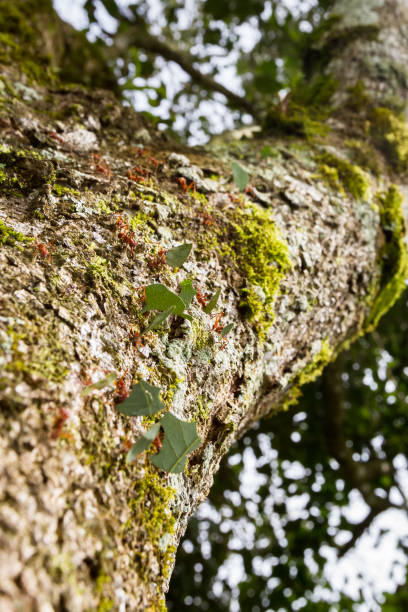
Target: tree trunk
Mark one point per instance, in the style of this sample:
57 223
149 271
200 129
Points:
307 259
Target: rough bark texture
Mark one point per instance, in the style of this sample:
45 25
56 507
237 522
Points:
308 259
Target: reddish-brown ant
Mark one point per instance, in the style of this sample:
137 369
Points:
159 261
44 250
184 186
55 136
157 442
58 425
201 298
217 327
99 165
249 190
122 391
206 218
136 339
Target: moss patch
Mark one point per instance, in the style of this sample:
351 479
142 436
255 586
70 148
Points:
340 171
263 258
393 256
10 237
389 132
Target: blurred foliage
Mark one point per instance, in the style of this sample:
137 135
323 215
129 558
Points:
264 47
345 440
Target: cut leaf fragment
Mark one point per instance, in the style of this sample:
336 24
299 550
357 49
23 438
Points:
187 291
143 442
159 319
213 302
226 330
177 256
180 440
158 297
105 382
144 400
241 176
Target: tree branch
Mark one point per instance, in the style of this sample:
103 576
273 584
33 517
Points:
146 42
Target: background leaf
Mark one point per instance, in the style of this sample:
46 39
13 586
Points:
158 297
213 302
143 401
177 256
180 440
143 442
241 176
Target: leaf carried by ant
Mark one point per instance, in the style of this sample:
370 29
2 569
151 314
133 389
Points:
143 442
241 176
158 297
226 330
180 440
187 291
105 382
177 256
144 400
159 319
213 302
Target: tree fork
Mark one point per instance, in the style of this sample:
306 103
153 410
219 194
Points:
303 260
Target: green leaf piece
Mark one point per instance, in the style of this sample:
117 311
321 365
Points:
187 291
143 401
158 297
180 440
143 442
213 302
159 319
226 330
177 256
241 176
266 151
105 382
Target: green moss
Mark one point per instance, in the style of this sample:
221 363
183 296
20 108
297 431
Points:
393 256
254 242
358 99
149 506
202 411
296 121
389 132
201 337
60 190
351 177
363 155
10 237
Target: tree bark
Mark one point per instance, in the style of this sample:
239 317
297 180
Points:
307 260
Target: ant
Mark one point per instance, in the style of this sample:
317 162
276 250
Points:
249 190
234 198
138 174
125 233
44 250
135 337
157 442
59 422
100 165
159 261
217 327
207 219
55 136
183 184
122 391
201 298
